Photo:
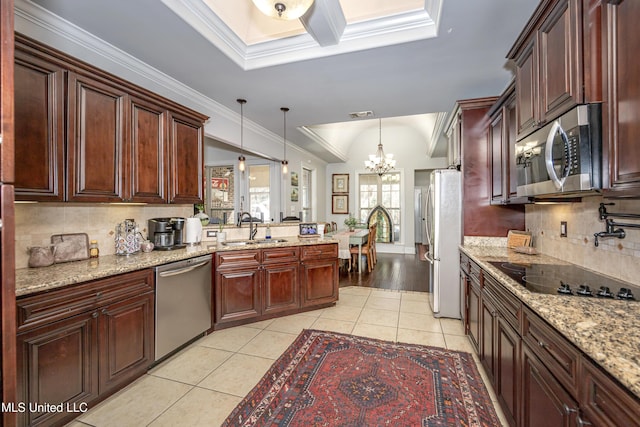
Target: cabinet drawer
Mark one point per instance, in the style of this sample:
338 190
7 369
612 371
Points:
603 401
553 349
474 271
510 307
46 307
238 259
319 251
464 263
278 255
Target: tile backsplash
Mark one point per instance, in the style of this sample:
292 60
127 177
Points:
614 257
36 222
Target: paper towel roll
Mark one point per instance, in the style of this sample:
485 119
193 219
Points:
193 233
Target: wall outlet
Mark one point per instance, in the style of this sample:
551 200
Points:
563 228
212 233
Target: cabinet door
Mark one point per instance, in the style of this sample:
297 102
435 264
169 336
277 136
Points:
237 295
526 88
473 311
319 281
281 288
560 37
623 86
39 129
544 402
506 369
96 140
58 363
488 324
187 162
148 153
497 160
126 341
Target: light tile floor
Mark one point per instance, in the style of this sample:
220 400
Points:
200 385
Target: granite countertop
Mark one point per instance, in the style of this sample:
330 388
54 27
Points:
608 331
32 280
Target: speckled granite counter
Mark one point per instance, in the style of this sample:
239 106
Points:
31 280
608 331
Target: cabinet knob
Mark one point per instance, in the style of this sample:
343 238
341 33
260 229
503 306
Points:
104 311
568 410
541 344
98 294
94 314
581 423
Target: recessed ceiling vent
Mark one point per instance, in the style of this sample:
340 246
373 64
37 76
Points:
361 114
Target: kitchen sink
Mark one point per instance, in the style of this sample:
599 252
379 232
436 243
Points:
252 242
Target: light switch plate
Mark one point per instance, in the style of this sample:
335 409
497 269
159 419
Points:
563 228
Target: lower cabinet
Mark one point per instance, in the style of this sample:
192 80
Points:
539 377
79 344
252 285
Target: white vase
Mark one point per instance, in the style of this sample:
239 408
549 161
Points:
221 236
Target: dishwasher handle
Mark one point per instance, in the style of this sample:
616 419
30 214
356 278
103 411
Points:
170 273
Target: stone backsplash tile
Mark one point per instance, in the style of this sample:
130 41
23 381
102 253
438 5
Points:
36 222
619 258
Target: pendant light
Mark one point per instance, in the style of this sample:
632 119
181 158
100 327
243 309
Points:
241 159
380 163
285 163
283 9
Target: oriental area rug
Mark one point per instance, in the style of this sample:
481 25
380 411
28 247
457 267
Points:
332 379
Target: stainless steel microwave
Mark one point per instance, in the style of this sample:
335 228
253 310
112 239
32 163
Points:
564 158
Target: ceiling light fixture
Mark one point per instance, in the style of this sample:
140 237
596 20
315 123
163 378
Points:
241 159
283 9
380 163
285 163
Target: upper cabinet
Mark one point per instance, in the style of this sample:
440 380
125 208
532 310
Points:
548 61
620 43
99 138
452 131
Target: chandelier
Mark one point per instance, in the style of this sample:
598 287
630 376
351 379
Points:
283 9
380 163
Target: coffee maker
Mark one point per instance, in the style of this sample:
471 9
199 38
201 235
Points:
166 233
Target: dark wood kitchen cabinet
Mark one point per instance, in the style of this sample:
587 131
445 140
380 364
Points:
96 140
480 216
237 286
548 57
39 128
319 274
187 161
281 290
148 169
621 84
502 140
81 343
104 139
473 306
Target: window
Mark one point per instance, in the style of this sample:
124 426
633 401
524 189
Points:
259 187
307 213
384 192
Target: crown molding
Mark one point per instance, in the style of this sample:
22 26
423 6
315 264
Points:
323 143
40 24
401 28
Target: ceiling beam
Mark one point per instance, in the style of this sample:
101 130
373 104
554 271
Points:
325 22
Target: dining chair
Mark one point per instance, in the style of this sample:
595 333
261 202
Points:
367 250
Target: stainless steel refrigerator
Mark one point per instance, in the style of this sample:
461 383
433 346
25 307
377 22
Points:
444 235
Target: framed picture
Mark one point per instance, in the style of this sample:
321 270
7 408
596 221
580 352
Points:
294 194
294 179
340 183
340 204
309 229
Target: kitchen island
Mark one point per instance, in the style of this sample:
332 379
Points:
591 340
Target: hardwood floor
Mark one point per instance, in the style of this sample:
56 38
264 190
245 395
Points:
393 271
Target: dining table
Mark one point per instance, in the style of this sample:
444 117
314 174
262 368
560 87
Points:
347 238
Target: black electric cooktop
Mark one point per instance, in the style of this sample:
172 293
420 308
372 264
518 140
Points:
569 280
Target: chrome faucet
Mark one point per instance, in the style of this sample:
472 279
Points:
252 231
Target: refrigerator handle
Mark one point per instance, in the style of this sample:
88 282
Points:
428 258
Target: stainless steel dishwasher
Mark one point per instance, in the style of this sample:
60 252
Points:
183 302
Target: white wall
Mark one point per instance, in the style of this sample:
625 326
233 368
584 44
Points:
409 150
